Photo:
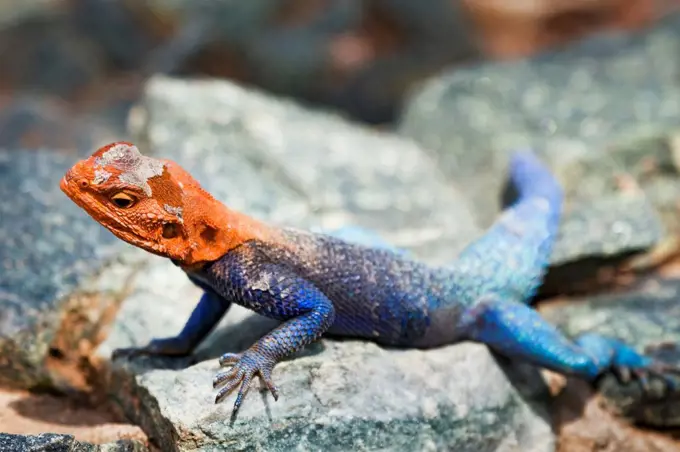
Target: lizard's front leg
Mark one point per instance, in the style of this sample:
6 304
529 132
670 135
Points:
207 313
274 291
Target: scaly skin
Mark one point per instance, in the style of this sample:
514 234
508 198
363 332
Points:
361 287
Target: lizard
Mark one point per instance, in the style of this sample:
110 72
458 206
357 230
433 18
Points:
320 284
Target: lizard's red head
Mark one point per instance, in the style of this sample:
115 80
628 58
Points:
134 196
150 203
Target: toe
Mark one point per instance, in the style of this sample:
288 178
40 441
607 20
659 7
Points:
229 358
230 374
641 376
226 390
267 378
245 387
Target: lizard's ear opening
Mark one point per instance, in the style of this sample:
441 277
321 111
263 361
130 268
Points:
170 230
208 233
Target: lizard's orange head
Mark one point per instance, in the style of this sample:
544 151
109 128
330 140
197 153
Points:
138 198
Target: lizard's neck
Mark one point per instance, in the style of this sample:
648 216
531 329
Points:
212 230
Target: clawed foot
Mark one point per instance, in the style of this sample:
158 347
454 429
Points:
171 346
245 366
667 373
131 352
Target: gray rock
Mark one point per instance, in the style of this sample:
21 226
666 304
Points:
354 395
646 166
35 122
647 316
595 100
60 275
331 53
47 55
63 443
344 173
275 160
14 11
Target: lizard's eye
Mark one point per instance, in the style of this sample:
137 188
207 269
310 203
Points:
122 200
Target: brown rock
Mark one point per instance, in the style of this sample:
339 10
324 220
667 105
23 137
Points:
513 29
24 413
583 425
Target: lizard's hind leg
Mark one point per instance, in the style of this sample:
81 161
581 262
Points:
518 332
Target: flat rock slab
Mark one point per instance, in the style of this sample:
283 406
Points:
272 159
646 316
594 100
354 395
63 443
62 273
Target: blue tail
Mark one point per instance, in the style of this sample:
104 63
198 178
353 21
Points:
534 180
498 274
516 248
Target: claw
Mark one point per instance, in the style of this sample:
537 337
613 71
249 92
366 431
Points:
662 371
623 374
267 377
245 367
129 352
169 346
641 376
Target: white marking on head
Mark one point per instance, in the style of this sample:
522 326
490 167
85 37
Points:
174 210
136 168
100 176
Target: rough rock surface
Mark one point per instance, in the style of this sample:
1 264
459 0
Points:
585 424
273 159
62 443
60 278
584 102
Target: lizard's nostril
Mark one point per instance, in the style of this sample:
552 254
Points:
66 180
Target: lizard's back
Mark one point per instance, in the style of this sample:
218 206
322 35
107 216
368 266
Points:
385 295
377 293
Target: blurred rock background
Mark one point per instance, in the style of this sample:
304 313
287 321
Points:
456 83
71 69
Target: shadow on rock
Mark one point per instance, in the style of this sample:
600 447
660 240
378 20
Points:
529 383
60 411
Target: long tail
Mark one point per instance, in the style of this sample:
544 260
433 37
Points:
534 180
512 256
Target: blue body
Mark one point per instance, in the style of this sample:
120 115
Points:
321 284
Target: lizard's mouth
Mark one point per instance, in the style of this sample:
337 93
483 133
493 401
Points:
93 208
